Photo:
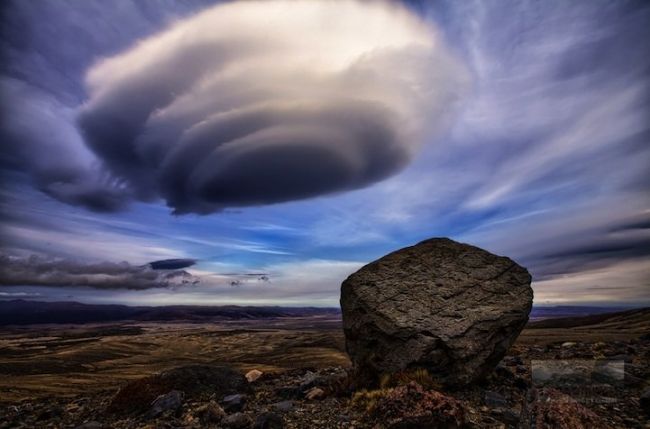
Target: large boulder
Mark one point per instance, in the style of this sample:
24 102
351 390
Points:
450 308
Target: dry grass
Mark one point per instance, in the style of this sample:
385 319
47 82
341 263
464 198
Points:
367 400
44 361
60 360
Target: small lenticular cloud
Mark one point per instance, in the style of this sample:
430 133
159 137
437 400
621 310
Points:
172 264
261 102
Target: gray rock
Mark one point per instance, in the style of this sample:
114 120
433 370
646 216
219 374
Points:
309 380
210 413
171 401
237 421
513 360
235 402
451 308
284 406
495 399
315 393
268 421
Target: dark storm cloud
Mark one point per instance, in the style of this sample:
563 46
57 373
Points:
39 139
45 48
208 115
595 253
57 272
172 264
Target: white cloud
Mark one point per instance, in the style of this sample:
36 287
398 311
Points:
625 282
261 102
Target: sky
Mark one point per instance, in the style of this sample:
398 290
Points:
259 152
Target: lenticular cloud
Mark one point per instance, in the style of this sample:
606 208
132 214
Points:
268 101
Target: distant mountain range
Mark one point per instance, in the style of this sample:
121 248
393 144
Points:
24 312
554 312
638 318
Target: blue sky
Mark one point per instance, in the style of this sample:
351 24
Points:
523 129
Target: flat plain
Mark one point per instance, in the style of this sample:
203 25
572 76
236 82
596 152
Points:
42 360
45 364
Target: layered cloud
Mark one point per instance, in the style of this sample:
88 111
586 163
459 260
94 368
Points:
246 103
47 271
40 139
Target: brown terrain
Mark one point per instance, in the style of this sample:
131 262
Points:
55 376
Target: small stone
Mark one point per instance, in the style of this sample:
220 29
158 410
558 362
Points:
495 399
568 344
268 421
315 393
234 402
210 412
308 381
284 406
512 360
237 421
253 375
171 401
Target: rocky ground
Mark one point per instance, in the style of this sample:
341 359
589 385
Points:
545 380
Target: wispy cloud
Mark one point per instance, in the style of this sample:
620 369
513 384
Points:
546 160
56 272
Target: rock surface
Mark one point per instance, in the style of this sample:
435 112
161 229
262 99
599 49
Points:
448 307
314 393
171 401
194 380
234 402
210 413
253 375
237 421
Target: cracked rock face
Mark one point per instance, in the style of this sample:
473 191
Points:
448 307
